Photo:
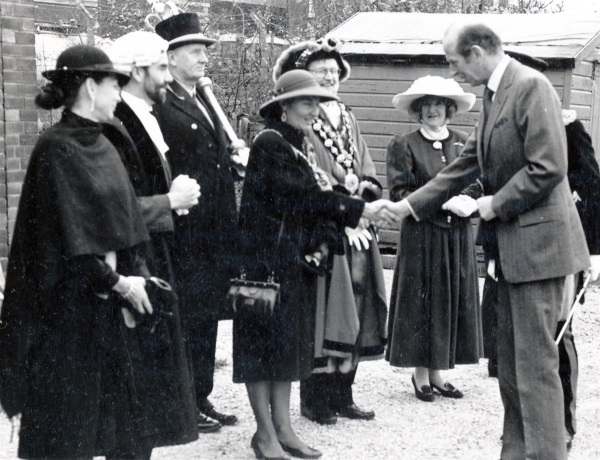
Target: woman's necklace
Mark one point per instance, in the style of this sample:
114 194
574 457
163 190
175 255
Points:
437 137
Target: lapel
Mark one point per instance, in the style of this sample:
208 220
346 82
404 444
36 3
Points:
184 102
136 130
498 103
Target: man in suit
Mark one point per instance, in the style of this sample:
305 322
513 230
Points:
519 148
206 237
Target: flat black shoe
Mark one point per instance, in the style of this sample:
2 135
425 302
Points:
425 394
207 425
311 453
224 419
322 416
448 390
258 453
354 412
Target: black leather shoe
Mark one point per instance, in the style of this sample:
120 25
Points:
569 437
448 390
425 394
207 425
354 412
323 416
309 453
224 419
258 453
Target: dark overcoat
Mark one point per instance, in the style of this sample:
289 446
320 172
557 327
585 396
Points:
281 195
206 237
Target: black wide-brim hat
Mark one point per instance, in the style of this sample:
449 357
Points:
84 60
293 84
182 29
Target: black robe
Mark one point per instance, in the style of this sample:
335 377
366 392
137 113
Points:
170 402
62 351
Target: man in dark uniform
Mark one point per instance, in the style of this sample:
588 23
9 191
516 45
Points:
206 237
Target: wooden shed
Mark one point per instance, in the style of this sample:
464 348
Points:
388 51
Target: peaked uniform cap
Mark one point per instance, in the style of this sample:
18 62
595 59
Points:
183 29
434 86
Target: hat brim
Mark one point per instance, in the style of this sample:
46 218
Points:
317 91
191 39
464 102
57 74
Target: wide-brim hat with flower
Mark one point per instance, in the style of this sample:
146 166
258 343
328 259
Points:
183 29
301 55
434 86
84 60
293 84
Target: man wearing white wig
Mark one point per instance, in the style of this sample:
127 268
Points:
135 133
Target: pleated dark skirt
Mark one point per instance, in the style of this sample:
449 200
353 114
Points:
435 316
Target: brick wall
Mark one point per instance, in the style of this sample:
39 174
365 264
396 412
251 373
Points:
18 114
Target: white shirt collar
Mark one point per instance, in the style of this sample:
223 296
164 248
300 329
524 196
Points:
143 111
494 81
190 90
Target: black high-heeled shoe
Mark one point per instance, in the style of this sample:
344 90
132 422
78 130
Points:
312 453
425 394
259 454
448 390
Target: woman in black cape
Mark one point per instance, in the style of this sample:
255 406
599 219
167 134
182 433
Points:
76 280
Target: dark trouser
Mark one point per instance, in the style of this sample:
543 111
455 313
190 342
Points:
327 390
534 423
568 371
202 343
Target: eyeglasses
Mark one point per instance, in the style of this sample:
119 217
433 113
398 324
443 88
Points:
322 72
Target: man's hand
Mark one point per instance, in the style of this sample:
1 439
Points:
184 193
239 152
461 205
381 213
485 207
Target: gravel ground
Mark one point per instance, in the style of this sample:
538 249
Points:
404 427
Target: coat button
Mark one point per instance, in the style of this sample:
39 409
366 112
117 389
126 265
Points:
218 166
194 126
342 207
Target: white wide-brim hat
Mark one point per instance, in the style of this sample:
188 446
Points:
434 86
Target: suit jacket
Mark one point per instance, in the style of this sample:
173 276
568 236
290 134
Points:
521 154
206 238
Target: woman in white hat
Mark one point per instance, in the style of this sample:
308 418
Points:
286 201
435 319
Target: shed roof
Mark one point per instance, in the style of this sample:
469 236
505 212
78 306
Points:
562 39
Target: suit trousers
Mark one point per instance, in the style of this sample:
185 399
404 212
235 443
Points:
534 423
202 346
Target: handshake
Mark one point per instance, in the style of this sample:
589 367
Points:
384 213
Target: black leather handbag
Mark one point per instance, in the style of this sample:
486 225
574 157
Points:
163 298
257 298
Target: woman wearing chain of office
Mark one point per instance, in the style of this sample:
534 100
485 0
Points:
351 307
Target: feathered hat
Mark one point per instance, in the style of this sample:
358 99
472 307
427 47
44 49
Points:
301 55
